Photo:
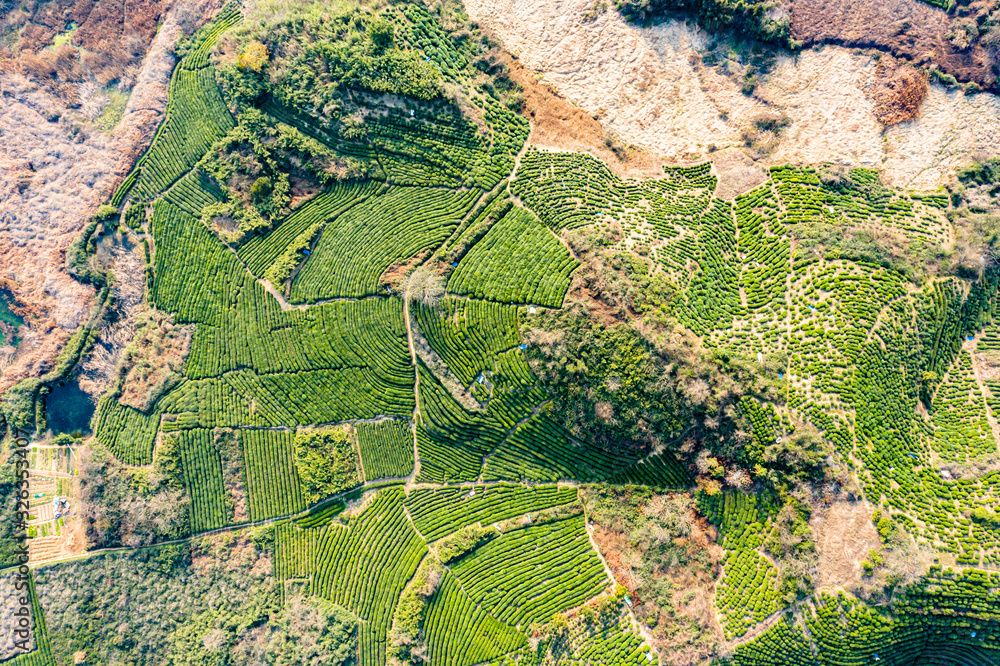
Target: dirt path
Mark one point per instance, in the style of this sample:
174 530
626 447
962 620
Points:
366 486
416 390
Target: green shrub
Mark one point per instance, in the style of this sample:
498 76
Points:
326 463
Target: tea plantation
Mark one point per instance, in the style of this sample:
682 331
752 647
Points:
346 211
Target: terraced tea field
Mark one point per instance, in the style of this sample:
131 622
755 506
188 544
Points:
366 333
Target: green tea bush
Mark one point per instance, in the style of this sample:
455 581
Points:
386 449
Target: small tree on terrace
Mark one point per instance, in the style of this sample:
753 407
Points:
254 57
424 286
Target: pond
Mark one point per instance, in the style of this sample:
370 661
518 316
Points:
68 409
8 332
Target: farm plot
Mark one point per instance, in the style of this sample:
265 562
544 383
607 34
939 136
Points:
128 433
460 633
845 631
244 398
748 590
365 566
207 403
961 429
40 653
556 569
569 190
196 118
321 396
359 334
440 147
204 40
386 449
243 326
294 551
451 441
661 470
468 335
272 481
437 512
541 450
195 276
357 247
193 192
517 261
516 392
284 246
607 640
202 469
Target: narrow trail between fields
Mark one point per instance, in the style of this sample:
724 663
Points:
416 389
510 433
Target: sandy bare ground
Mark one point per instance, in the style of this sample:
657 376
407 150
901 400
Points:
54 173
845 535
646 85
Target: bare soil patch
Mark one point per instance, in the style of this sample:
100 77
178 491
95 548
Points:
845 535
558 124
737 173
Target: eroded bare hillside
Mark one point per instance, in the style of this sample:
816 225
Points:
653 88
56 168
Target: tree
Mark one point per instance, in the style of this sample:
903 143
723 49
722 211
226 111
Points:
254 57
382 36
424 286
326 463
406 644
261 188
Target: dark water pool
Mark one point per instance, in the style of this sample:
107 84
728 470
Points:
9 318
68 409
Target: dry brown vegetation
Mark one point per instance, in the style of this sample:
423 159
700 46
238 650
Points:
55 169
907 29
108 42
737 173
845 535
395 277
156 354
897 90
228 552
666 557
645 86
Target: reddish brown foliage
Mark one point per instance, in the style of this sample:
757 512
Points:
907 29
110 38
897 90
